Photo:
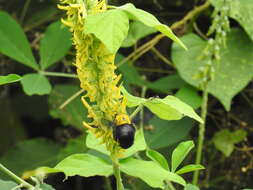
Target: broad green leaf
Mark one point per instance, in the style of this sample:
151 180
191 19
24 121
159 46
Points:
54 44
72 114
158 158
179 154
241 11
10 78
35 84
190 187
149 20
238 136
167 133
149 171
8 185
167 83
139 144
110 27
13 41
168 108
235 67
189 95
137 31
171 108
190 168
31 154
46 187
84 165
224 140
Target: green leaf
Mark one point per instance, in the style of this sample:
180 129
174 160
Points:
84 165
8 185
149 171
167 133
224 140
54 45
190 168
31 154
10 78
132 101
238 136
167 83
110 27
235 67
149 20
72 114
35 84
168 108
241 11
139 144
191 187
179 154
13 41
137 31
189 95
46 187
171 108
158 158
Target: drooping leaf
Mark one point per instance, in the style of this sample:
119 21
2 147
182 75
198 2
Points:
235 67
35 84
139 144
149 20
158 158
168 108
54 45
189 95
72 114
179 154
84 165
110 27
10 78
31 154
149 171
190 187
166 133
190 168
8 185
224 140
13 41
137 31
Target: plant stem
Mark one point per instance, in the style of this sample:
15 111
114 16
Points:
169 186
15 177
143 94
71 98
136 111
201 134
24 11
57 74
117 174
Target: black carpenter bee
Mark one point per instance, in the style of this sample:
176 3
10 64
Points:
124 131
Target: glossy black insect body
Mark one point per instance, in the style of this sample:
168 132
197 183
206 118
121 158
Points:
124 135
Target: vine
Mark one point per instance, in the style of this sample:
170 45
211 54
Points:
211 55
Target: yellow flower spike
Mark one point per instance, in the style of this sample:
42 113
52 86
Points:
96 72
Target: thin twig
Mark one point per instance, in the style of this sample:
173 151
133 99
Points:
71 98
161 56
